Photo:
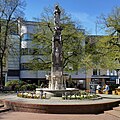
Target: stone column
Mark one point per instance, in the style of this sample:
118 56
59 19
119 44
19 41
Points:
56 81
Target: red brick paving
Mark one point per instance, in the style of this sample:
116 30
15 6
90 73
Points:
36 116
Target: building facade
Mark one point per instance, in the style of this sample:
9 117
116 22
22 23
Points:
17 63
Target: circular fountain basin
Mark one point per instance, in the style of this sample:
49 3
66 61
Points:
56 105
56 93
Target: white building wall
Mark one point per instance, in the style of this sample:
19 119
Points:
26 44
24 29
28 27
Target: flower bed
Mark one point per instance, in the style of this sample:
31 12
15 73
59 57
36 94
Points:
80 96
29 95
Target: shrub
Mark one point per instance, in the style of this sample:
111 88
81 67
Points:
23 88
12 84
15 84
17 87
31 87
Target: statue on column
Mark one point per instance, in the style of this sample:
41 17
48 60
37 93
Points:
57 34
57 16
56 68
56 78
57 21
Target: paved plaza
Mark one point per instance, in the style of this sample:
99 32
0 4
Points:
36 116
57 100
12 115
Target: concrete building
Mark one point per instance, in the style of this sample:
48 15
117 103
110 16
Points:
17 63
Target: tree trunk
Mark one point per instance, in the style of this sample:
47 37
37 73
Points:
1 72
1 69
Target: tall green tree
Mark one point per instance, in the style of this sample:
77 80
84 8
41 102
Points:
103 54
105 50
73 41
10 11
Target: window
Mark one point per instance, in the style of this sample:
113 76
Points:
94 71
13 72
27 37
25 66
24 51
30 51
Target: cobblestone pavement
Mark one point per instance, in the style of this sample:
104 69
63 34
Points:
36 116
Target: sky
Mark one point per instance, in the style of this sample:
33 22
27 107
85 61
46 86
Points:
86 11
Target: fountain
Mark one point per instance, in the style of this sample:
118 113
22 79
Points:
72 102
57 80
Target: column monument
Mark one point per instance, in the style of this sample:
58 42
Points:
56 78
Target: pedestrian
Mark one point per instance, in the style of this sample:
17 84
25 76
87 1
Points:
106 88
98 88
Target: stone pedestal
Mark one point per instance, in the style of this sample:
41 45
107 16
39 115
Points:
57 81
